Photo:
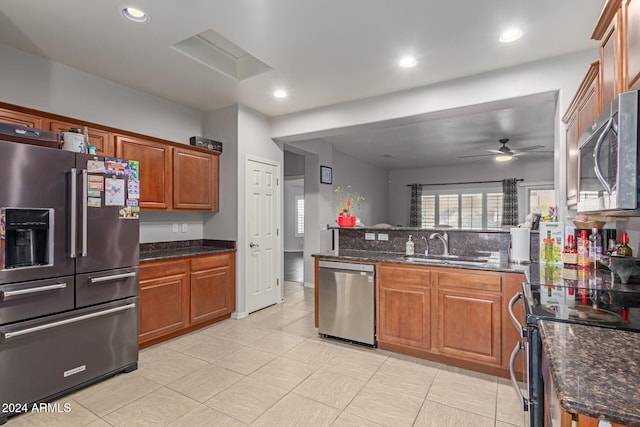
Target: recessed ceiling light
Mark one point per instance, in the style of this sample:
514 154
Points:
136 15
280 93
408 62
504 158
510 35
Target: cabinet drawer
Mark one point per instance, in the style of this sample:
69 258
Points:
480 281
154 270
212 261
405 274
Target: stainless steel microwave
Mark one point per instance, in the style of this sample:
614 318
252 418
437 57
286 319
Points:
608 160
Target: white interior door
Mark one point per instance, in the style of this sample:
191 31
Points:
262 207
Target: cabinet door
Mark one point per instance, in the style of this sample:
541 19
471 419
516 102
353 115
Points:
212 287
195 180
610 63
155 169
98 138
470 314
572 161
404 306
164 306
22 119
631 44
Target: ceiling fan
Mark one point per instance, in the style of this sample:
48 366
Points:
504 153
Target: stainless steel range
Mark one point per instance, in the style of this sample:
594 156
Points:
572 295
68 272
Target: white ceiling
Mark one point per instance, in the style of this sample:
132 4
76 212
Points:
321 52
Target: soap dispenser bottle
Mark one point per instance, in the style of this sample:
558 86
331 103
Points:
409 246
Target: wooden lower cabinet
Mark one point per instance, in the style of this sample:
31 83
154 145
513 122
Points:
179 296
212 290
450 315
404 306
470 318
164 304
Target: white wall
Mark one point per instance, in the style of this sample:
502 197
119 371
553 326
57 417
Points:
562 74
400 194
254 139
369 181
292 189
34 82
222 125
293 164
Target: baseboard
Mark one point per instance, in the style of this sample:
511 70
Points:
308 285
293 250
239 315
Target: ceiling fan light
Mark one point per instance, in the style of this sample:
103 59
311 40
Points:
503 158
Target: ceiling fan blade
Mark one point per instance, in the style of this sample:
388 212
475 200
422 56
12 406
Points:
530 148
494 151
475 155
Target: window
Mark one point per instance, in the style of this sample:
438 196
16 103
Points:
538 198
472 209
299 216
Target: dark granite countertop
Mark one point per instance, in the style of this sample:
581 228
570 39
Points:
596 371
158 251
495 263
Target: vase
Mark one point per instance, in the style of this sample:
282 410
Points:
347 221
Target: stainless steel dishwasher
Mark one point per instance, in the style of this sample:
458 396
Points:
346 301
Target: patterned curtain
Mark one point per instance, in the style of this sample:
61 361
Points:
415 212
510 201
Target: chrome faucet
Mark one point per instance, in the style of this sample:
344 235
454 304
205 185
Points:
426 245
445 241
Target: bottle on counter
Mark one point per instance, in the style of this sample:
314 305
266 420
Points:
595 248
583 249
570 254
548 248
624 249
410 246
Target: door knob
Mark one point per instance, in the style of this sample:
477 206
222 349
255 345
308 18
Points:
253 245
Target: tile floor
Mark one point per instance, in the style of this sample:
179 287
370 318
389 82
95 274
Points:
272 369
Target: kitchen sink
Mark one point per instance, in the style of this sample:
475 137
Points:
446 259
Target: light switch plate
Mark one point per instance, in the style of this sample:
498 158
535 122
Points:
175 228
383 236
369 236
185 227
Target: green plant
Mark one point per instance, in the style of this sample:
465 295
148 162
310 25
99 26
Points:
347 200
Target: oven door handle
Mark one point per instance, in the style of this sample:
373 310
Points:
512 373
9 335
611 126
522 331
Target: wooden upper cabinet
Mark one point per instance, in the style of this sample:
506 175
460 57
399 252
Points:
631 43
22 119
98 138
195 180
582 112
155 169
608 32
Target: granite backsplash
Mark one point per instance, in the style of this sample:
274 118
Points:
461 242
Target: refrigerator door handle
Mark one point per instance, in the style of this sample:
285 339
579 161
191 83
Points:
112 277
85 195
10 335
74 211
7 294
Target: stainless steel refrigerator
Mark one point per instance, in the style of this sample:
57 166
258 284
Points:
69 239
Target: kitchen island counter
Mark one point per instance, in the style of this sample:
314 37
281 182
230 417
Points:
595 371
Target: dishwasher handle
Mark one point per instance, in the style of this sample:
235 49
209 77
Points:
367 268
